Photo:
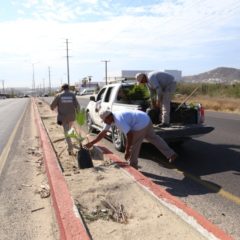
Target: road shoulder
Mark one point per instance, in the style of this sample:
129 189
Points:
26 211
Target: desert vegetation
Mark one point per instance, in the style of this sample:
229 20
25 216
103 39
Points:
218 97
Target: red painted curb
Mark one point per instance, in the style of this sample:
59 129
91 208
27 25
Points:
164 195
161 193
69 221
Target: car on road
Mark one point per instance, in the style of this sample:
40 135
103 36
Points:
87 92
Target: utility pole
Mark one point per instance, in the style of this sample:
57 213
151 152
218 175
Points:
106 62
3 90
43 86
33 80
68 77
49 79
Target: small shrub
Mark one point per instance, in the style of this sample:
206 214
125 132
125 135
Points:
209 89
137 92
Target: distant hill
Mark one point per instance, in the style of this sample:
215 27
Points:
218 75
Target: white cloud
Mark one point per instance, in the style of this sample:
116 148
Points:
29 3
141 37
89 1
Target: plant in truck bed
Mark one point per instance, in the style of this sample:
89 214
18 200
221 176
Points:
137 94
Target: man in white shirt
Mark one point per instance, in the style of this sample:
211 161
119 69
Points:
136 125
161 86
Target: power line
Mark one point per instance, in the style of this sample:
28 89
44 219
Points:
207 18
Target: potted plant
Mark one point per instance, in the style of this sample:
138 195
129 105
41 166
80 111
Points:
138 94
84 158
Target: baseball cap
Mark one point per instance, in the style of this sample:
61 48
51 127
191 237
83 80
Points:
65 86
105 113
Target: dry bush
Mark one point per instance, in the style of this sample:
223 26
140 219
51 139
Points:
213 103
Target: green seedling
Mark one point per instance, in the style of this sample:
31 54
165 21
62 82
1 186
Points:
80 119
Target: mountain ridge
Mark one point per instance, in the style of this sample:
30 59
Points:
217 75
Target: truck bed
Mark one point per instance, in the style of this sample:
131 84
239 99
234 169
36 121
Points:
184 123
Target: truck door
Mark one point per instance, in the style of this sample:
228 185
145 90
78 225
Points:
98 104
104 104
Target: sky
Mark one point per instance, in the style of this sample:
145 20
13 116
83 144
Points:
193 36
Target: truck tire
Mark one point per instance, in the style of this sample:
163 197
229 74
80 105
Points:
118 139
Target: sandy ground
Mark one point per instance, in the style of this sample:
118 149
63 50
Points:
26 212
112 205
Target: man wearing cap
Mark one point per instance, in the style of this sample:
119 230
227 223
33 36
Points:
67 106
161 86
136 125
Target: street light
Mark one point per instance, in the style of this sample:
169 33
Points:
89 80
68 75
33 78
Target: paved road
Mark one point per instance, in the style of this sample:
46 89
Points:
10 112
23 214
206 175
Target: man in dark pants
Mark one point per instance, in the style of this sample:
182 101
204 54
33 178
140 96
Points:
161 85
67 106
137 126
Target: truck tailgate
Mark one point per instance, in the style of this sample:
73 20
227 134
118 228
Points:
178 132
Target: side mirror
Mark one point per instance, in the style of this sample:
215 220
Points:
92 98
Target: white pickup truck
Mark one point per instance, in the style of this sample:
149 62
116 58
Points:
186 121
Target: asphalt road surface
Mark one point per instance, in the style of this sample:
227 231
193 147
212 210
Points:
10 112
23 213
206 174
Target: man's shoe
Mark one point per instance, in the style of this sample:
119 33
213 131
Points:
70 153
133 165
172 158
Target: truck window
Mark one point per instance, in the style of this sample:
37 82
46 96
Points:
108 94
100 94
121 96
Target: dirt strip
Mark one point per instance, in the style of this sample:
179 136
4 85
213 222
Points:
70 224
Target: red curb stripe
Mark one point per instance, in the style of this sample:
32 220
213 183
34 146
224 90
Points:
163 194
69 221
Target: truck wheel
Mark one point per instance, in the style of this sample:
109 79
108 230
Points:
89 123
118 139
